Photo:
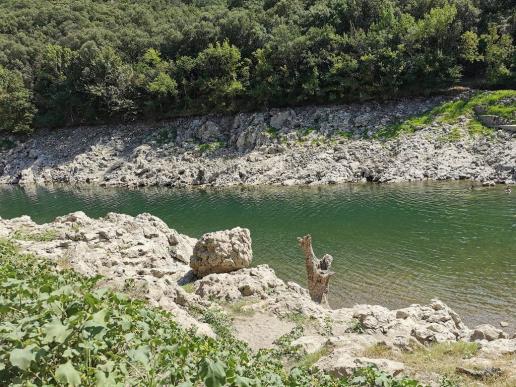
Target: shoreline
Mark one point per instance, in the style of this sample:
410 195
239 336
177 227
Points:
151 261
280 147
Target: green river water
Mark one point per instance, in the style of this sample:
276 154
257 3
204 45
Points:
392 244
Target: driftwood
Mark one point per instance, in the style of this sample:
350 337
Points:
318 271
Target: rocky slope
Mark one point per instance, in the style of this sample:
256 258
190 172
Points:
142 256
323 145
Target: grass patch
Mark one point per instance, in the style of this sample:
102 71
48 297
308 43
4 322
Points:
297 318
272 132
355 326
505 111
44 236
476 128
211 147
442 359
189 287
454 135
310 359
306 131
344 134
378 351
500 102
240 307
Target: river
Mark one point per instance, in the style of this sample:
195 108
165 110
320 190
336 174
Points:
392 244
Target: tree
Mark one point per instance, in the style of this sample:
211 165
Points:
55 94
16 107
317 270
217 70
106 81
498 55
156 86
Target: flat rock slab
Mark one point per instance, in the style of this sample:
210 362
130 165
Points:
261 329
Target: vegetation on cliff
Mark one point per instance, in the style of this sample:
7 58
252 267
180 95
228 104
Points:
83 61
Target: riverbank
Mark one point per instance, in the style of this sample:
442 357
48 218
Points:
390 142
143 257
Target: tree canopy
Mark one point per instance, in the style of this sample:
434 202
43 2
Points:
77 62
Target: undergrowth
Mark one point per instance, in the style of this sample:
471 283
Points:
60 328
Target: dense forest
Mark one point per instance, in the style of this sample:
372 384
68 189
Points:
73 62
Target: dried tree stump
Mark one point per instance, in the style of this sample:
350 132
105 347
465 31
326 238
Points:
317 270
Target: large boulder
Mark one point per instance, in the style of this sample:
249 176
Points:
256 281
222 252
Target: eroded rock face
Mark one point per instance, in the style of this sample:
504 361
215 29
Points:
222 252
301 146
257 281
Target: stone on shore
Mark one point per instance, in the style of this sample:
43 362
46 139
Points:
487 332
341 364
222 252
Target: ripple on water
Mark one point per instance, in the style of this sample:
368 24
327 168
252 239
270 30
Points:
392 244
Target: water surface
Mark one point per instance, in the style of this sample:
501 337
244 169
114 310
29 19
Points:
392 244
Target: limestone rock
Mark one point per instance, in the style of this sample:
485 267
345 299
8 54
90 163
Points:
282 118
372 317
209 132
256 281
222 252
498 347
487 332
341 364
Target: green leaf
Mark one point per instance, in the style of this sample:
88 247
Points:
100 316
139 355
241 381
21 358
56 331
212 373
101 380
67 374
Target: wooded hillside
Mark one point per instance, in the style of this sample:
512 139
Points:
73 62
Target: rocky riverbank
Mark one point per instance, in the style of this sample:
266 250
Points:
142 256
302 146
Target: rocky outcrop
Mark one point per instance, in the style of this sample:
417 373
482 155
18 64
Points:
140 255
222 252
308 145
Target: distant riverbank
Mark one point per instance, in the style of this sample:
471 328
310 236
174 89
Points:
390 142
